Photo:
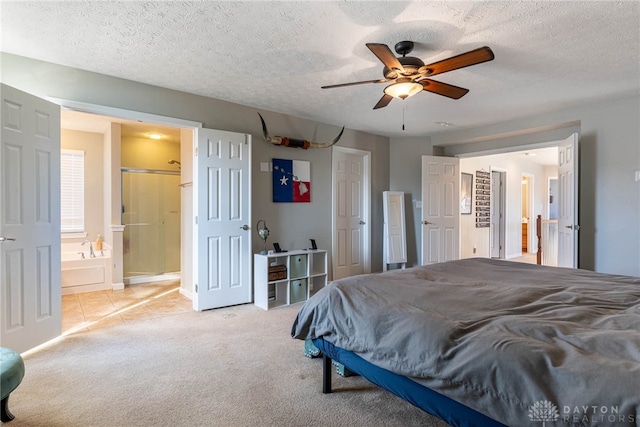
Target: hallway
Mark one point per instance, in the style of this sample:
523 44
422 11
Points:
526 258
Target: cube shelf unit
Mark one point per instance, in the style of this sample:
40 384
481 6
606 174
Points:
306 274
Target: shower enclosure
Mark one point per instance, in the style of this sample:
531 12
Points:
151 215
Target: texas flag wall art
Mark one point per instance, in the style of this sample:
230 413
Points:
291 181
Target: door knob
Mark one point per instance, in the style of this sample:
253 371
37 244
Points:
2 239
245 227
428 223
362 222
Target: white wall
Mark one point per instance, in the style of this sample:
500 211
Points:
186 229
92 145
514 166
550 172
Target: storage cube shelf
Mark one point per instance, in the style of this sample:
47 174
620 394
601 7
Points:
304 273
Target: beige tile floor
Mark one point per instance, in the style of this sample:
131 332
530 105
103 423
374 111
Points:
92 310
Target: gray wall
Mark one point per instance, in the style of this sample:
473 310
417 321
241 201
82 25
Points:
291 224
609 157
405 168
609 154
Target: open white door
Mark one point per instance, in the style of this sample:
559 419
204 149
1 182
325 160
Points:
568 202
440 209
29 221
351 231
222 232
395 236
497 214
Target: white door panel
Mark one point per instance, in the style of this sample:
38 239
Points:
433 237
568 202
223 209
30 271
440 209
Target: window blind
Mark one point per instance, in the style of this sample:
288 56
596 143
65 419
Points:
72 191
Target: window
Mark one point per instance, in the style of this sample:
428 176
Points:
72 191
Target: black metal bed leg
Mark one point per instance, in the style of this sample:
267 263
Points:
326 374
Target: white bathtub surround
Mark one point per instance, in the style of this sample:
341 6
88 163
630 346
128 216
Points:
81 272
117 278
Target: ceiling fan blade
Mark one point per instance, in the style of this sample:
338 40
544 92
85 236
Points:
384 101
355 83
444 89
473 57
385 55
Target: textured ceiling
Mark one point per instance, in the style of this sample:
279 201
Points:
275 55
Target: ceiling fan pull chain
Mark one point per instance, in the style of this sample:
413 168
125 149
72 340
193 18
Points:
404 107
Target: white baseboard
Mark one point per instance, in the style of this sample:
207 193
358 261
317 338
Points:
186 293
148 279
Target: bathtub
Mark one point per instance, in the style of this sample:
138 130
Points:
88 274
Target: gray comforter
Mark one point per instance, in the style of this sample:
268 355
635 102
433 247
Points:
521 343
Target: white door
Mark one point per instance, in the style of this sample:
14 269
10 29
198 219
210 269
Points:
222 232
568 202
440 209
497 214
29 221
395 236
351 231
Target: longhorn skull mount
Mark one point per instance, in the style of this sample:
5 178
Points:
295 143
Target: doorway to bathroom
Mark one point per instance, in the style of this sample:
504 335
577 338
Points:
151 216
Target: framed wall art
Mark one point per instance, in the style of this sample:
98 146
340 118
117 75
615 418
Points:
291 181
483 199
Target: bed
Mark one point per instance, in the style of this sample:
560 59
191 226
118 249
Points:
480 342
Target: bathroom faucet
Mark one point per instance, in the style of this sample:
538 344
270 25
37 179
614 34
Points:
91 253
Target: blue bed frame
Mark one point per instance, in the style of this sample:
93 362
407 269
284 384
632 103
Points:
434 403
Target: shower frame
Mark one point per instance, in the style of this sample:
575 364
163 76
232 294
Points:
145 239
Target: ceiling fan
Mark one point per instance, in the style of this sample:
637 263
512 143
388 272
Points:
409 75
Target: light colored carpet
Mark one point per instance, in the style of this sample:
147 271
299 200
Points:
236 366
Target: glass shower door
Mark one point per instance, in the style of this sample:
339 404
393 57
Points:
151 215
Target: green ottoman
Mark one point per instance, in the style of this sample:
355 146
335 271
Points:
11 374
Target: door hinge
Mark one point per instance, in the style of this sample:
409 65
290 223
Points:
196 154
246 139
196 288
196 219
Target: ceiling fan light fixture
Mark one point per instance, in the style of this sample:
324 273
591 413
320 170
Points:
403 88
407 75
